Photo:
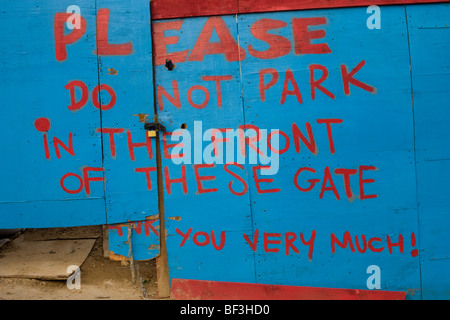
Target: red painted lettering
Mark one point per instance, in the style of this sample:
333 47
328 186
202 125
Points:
269 141
278 45
362 181
170 181
258 180
346 173
205 101
167 146
347 241
147 171
289 239
96 97
364 248
148 224
222 240
199 178
262 86
371 247
399 244
70 174
312 182
303 36
61 39
184 235
217 79
253 244
111 132
215 141
132 145
309 243
289 77
267 242
347 78
104 48
88 179
297 134
77 105
332 187
161 42
239 178
69 149
175 100
328 123
205 241
317 84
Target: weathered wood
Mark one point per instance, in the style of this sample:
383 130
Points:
105 240
145 236
33 94
367 132
167 9
141 283
85 157
429 36
360 113
126 66
189 203
46 260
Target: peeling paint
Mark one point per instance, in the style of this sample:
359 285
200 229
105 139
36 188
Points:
143 117
113 71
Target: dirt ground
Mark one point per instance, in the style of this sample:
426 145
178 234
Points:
101 279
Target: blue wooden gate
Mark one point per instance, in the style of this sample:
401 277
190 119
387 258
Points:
299 147
347 104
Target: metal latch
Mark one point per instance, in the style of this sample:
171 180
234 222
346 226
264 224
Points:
154 127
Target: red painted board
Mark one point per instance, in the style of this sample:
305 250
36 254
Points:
183 289
167 9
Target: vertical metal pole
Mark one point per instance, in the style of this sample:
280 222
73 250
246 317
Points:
162 268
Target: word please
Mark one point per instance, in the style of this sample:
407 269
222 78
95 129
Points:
302 40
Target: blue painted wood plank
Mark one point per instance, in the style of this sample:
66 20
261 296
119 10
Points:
430 48
129 156
199 208
33 86
144 239
71 163
126 68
